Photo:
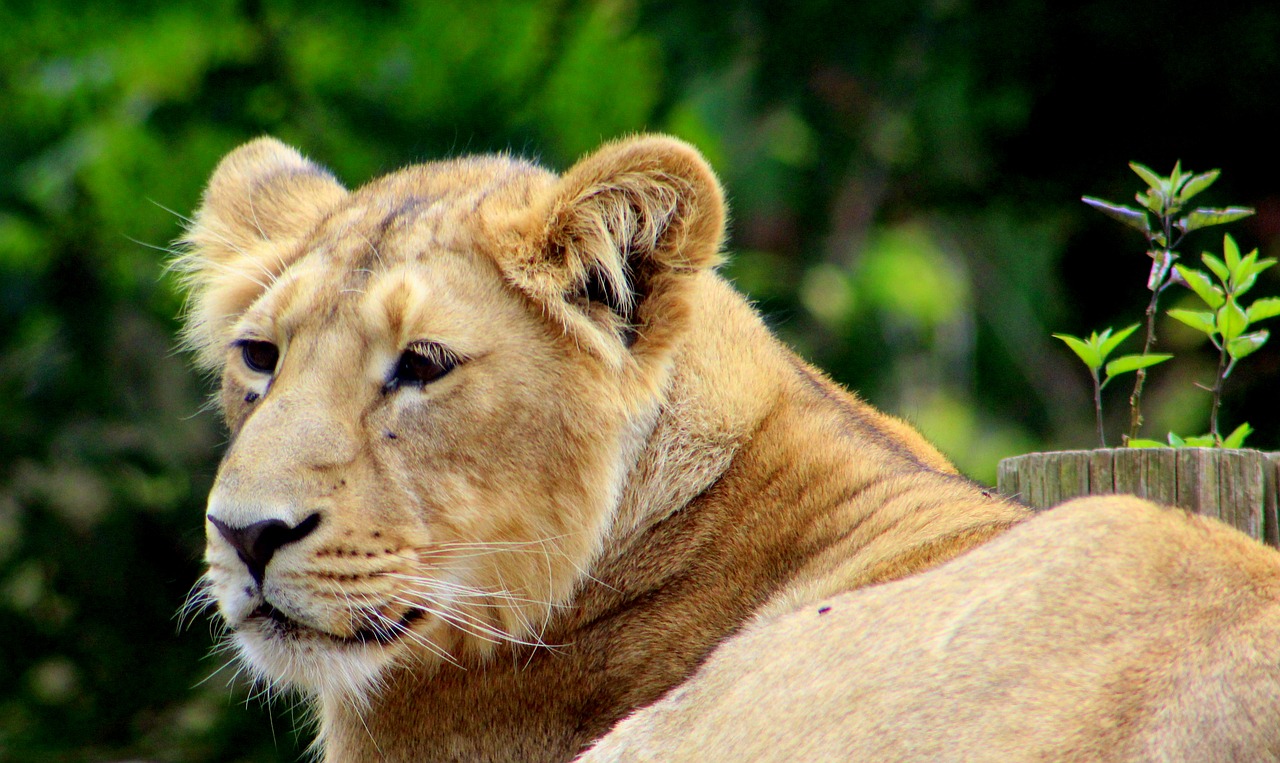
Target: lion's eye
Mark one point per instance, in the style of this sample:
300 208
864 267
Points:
259 356
422 365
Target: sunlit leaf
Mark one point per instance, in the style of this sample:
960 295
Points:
1230 253
1088 352
1134 218
1267 307
1137 442
1200 321
1236 438
1126 363
1197 183
1108 342
1246 344
1203 217
1202 286
1199 441
1247 273
1177 441
1231 320
1152 201
1218 267
1149 177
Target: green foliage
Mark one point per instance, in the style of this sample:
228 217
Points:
1234 440
1164 219
1094 352
1227 321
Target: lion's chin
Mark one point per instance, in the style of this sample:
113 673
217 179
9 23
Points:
282 652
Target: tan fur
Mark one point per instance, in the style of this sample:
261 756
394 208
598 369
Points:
623 470
1104 630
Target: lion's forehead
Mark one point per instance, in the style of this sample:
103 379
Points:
443 206
405 258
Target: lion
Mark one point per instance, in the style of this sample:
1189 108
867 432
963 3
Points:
510 461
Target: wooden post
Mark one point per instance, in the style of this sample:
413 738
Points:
1239 487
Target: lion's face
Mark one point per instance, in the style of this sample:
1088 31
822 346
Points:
436 388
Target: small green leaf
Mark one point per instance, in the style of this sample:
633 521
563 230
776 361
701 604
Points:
1202 286
1261 309
1126 363
1249 275
1230 253
1088 352
1236 438
1108 343
1134 218
1177 441
1200 321
1218 267
1196 184
1231 321
1136 442
1246 344
1153 181
1200 441
1203 217
1152 202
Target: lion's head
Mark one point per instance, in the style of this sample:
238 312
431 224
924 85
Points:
436 387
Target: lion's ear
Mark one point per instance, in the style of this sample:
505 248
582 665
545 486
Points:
613 244
262 199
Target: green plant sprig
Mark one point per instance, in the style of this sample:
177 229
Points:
1227 321
1164 219
1094 352
1233 440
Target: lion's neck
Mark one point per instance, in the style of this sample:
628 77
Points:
761 487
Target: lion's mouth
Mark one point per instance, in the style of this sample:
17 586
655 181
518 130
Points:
383 633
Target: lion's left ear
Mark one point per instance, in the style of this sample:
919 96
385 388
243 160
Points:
610 250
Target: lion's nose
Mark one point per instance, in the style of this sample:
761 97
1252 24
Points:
258 542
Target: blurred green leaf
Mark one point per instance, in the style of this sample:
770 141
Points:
1199 441
1237 436
1177 441
1261 309
1153 181
1198 320
1138 442
1218 267
1086 351
1127 363
1134 218
1231 320
1246 344
1200 284
1196 184
1108 342
1247 273
1204 217
1230 254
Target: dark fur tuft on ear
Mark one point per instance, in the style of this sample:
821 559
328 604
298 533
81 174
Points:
262 199
622 226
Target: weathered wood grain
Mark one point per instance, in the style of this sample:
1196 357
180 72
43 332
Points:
1238 487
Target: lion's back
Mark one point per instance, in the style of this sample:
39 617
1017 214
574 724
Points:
1107 629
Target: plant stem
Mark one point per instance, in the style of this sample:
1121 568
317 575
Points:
1162 263
1135 400
1097 409
1219 384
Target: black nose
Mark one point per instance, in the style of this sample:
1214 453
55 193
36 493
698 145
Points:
258 542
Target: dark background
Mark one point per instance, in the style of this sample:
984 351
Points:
904 178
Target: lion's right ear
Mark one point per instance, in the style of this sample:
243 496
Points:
262 199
